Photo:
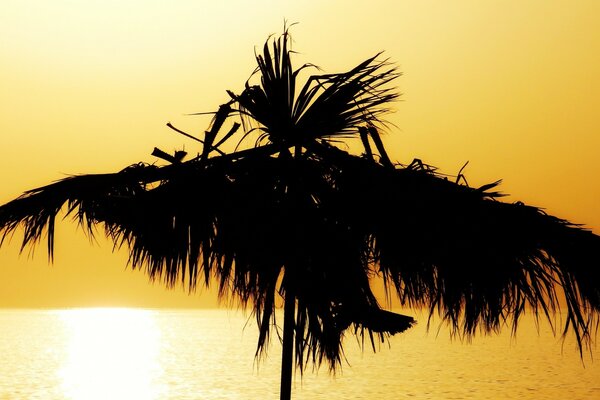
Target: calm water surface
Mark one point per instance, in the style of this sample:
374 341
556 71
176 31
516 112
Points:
88 354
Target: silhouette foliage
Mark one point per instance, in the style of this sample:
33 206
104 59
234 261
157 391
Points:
295 215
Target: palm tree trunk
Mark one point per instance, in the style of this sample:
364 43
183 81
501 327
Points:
289 308
287 356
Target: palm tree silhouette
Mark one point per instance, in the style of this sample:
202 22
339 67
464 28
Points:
297 217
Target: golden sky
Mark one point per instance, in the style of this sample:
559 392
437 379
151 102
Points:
512 87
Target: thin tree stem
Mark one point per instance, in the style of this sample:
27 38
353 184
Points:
287 356
289 307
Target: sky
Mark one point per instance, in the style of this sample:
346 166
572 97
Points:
512 87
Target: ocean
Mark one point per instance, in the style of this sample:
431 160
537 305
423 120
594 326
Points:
100 353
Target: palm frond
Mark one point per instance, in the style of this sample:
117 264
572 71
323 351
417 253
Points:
328 106
37 209
460 252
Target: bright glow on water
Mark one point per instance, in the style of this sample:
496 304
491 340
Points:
87 354
111 354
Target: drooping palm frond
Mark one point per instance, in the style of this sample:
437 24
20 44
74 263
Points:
36 209
447 247
234 223
461 252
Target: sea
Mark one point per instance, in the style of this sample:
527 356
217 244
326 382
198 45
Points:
128 353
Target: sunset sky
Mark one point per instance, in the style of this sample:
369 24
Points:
513 87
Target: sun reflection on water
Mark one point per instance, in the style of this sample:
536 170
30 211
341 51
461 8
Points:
112 353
